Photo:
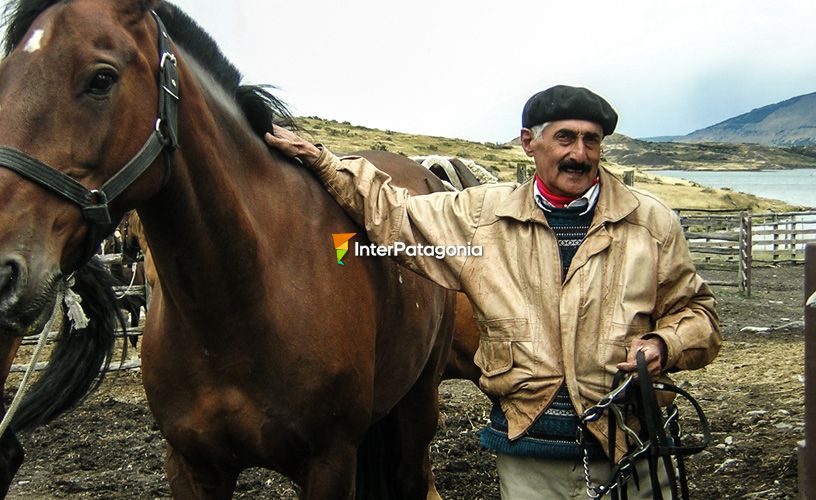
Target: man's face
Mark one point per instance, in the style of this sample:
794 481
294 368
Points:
566 155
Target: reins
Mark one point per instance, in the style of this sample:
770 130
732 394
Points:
658 439
95 203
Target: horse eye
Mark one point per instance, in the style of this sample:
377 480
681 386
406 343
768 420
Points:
102 82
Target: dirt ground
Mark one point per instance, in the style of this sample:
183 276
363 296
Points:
109 448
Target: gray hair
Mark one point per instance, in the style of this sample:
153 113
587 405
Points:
537 129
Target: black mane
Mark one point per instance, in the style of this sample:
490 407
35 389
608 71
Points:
258 104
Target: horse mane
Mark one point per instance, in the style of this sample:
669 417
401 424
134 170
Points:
259 105
80 357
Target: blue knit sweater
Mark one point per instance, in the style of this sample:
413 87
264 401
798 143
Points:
553 434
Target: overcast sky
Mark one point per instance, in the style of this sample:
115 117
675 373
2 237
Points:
465 68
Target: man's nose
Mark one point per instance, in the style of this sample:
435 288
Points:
579 152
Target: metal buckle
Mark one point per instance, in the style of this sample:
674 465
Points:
165 57
159 132
98 212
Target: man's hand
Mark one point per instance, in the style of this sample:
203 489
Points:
654 352
291 144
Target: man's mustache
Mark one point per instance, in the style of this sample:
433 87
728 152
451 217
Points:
574 166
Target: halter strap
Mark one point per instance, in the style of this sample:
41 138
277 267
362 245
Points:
95 203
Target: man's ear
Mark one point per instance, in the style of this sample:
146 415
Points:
526 137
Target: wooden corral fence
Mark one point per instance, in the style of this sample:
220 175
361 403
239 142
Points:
738 240
720 239
807 449
780 238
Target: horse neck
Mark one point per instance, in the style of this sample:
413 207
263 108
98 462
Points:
206 227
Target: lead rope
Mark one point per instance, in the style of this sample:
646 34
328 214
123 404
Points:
24 383
132 280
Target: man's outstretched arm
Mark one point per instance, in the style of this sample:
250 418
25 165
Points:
389 213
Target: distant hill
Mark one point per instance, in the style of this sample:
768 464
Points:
787 123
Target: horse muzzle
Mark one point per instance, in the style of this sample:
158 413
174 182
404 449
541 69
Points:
24 306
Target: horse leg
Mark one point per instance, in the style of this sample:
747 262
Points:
135 310
433 493
11 457
416 418
11 452
198 481
330 474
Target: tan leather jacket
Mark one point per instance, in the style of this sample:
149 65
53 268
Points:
631 276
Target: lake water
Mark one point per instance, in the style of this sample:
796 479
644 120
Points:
795 186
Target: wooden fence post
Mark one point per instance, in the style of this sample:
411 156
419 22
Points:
521 172
745 245
793 238
807 452
775 226
629 177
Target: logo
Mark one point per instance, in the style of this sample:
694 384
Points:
341 245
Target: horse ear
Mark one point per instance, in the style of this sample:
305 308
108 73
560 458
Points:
135 10
152 4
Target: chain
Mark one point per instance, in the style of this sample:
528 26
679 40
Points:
624 468
590 490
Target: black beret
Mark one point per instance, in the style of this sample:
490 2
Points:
563 102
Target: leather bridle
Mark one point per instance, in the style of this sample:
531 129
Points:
95 203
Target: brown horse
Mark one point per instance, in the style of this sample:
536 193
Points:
136 242
259 349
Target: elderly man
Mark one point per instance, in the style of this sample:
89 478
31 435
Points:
578 273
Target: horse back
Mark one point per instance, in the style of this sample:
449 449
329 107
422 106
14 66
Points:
404 172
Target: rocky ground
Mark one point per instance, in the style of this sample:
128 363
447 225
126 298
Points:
109 448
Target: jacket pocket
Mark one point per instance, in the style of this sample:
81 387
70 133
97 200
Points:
495 353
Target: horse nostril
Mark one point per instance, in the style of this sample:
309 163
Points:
12 271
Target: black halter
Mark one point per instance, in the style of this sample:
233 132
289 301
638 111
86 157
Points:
95 203
630 398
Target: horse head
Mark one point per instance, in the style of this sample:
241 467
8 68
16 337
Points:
70 80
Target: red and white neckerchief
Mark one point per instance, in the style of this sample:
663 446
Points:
547 200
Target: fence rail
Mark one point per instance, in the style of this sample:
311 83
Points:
781 237
738 240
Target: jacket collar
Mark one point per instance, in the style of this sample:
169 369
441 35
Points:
615 202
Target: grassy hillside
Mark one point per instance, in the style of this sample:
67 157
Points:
705 156
788 123
502 160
